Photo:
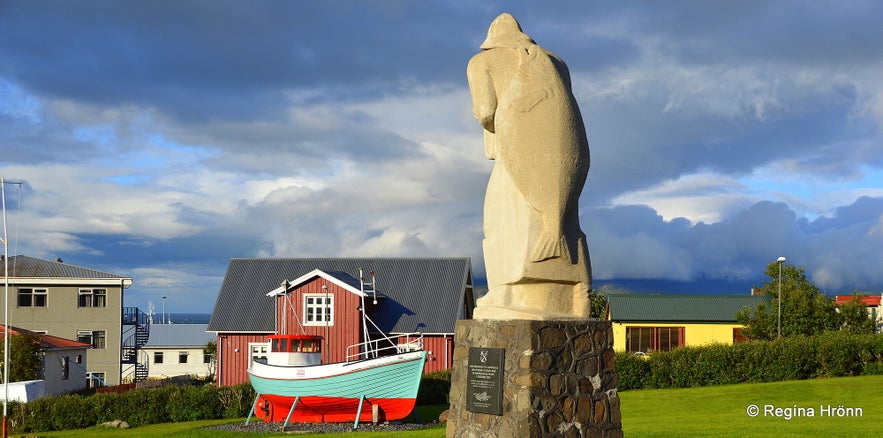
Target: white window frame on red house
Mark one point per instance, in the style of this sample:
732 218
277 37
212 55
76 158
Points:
258 350
318 309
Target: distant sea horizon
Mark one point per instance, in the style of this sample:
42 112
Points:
183 318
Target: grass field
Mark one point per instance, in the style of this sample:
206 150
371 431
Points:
722 411
718 411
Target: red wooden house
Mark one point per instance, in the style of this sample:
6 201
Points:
322 297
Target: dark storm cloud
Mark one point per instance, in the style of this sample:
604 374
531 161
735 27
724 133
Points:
863 211
829 32
311 143
637 143
838 252
227 59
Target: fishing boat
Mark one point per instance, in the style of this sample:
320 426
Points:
377 381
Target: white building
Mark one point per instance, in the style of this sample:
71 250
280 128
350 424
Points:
63 367
177 350
873 304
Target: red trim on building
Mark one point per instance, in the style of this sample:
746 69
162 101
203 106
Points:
867 301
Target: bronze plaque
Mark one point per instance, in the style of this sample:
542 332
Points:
484 380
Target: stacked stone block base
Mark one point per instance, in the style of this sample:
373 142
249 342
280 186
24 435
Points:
559 380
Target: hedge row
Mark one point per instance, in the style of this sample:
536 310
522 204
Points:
435 388
831 354
138 407
165 404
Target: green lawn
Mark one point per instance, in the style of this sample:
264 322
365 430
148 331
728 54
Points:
719 411
722 411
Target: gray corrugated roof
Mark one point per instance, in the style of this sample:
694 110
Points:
179 335
29 267
423 294
696 308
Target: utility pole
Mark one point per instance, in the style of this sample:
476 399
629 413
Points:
780 260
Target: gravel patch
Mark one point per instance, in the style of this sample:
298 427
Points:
260 426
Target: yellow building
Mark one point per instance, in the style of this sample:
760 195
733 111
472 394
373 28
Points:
643 323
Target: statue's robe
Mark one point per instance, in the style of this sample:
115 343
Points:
535 133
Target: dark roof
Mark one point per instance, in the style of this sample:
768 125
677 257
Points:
680 308
178 335
421 294
29 267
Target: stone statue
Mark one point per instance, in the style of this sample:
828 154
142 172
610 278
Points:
535 253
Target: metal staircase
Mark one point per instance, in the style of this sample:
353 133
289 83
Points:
136 333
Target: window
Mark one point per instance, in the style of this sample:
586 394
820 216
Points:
258 350
645 339
96 380
319 309
92 298
182 356
99 298
206 358
97 338
65 368
157 357
79 358
737 335
29 297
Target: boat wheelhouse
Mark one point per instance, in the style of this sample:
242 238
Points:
295 350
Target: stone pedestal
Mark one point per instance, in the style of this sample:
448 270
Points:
559 380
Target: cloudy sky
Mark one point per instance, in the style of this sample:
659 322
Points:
160 139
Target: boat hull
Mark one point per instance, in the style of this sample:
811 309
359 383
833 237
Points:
334 392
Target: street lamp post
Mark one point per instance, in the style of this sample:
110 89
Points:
780 260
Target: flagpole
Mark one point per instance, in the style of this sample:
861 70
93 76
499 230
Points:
5 239
5 313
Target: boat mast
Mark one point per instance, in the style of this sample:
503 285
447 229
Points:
370 347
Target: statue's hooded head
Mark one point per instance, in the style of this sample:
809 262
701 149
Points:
505 31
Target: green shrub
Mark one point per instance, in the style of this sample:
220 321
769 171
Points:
236 401
714 365
792 358
631 371
193 403
830 354
873 368
435 388
844 354
139 407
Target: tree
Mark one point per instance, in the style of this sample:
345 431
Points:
854 316
598 305
24 357
759 325
805 310
210 351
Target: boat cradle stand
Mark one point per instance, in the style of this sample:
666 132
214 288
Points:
287 418
254 405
